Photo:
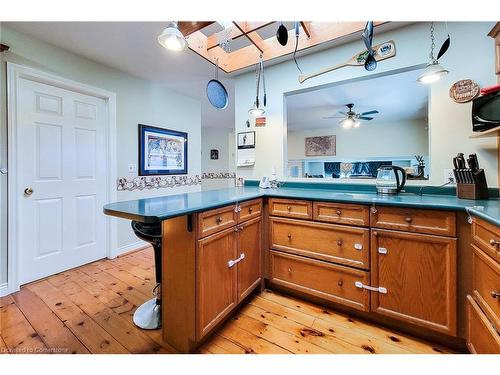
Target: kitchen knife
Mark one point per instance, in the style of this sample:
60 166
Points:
461 160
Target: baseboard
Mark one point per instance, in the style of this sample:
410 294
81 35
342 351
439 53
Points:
122 250
4 289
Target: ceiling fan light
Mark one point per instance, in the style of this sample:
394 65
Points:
172 39
347 123
255 111
356 124
432 73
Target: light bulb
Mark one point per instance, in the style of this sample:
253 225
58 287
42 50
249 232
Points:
432 73
172 39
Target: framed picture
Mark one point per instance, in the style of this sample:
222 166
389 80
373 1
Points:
214 154
321 146
246 140
162 151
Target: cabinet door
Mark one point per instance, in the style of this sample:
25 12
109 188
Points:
215 279
419 273
249 268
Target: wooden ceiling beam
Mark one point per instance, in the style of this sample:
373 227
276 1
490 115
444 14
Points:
236 32
305 27
189 27
320 32
253 37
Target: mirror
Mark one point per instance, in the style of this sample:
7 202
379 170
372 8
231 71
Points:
348 129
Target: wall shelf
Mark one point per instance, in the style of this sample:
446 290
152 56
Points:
494 132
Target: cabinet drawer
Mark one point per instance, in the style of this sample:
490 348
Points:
481 336
330 242
340 213
320 279
414 220
290 208
250 209
487 237
486 284
213 221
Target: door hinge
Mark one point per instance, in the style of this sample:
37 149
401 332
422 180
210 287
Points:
231 263
382 250
380 289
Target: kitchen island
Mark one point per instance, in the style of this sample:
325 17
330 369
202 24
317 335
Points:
404 261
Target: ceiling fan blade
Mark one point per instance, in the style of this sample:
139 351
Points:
343 113
444 47
369 112
329 117
365 118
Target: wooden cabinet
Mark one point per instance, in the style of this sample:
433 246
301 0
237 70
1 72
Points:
249 210
215 279
321 279
297 209
418 274
495 34
334 243
213 221
481 336
486 236
249 268
441 223
341 213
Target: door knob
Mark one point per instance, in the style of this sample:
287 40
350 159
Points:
28 191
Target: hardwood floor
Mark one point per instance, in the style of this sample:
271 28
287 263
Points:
89 310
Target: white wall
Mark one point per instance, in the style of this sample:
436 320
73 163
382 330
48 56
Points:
471 55
223 140
407 138
138 101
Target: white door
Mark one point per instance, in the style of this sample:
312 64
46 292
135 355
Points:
61 150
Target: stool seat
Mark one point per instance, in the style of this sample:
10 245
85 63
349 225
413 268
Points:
148 315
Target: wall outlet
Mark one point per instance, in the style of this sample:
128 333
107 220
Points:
132 168
448 175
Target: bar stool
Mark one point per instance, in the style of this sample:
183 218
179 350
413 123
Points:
148 315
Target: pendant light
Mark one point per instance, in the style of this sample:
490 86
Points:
256 110
172 39
434 71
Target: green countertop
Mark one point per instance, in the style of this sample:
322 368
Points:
161 208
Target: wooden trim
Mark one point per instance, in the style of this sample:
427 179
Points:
236 32
305 27
189 27
253 37
495 31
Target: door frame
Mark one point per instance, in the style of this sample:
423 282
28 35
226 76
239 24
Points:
15 73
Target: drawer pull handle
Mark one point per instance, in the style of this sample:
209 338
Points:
494 242
358 246
339 242
231 263
289 270
382 250
289 236
339 212
495 294
360 285
250 209
408 219
218 220
340 283
289 208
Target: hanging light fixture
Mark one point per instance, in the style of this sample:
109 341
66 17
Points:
349 122
434 71
172 39
257 110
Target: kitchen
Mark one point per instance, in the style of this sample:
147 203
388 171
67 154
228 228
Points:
286 187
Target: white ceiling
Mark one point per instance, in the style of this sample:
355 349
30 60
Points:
132 48
397 97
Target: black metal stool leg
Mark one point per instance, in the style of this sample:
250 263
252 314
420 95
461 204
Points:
148 315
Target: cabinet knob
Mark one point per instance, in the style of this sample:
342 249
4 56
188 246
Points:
289 270
289 208
495 294
289 235
408 219
339 242
340 283
250 209
494 242
338 212
218 220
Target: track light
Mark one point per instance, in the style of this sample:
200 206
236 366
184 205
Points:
172 39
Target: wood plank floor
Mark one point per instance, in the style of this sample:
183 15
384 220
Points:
89 310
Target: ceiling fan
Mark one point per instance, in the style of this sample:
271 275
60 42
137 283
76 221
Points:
351 119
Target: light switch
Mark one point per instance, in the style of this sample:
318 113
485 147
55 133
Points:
132 168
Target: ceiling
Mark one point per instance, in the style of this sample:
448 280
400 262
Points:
397 97
132 48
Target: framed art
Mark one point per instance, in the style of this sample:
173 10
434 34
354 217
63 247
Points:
321 146
162 151
246 140
214 154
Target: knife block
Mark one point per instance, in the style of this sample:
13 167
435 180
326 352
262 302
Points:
478 190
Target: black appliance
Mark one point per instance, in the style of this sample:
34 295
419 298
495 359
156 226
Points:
486 112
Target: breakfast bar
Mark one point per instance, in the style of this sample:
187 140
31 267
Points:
425 264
